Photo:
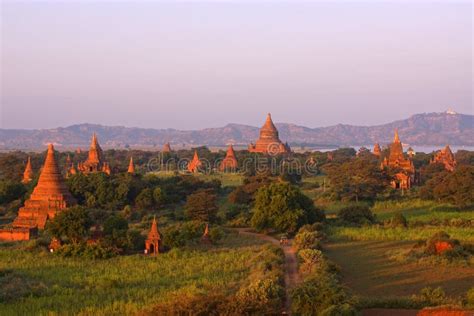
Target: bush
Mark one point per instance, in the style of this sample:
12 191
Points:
470 298
216 234
357 214
306 240
398 221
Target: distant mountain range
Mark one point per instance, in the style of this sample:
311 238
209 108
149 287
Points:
437 129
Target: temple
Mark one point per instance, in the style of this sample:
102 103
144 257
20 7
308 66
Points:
269 141
28 174
152 243
131 166
49 197
229 162
195 164
397 160
377 150
166 148
205 236
446 157
95 160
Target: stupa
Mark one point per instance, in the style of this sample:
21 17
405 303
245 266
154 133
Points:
229 162
377 150
397 160
194 164
49 197
28 174
95 160
131 166
205 236
152 243
446 157
166 148
269 141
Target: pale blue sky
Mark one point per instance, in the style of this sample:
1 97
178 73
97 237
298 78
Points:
206 64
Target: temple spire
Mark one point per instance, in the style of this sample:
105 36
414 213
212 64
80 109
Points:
131 166
28 174
396 138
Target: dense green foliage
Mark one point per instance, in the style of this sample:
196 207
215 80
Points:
356 214
72 224
283 207
202 206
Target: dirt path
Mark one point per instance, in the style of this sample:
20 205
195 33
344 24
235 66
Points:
292 277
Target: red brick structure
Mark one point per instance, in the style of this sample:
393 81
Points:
230 162
49 197
152 243
269 141
95 160
54 245
166 148
195 164
131 166
446 157
14 234
28 174
397 160
377 150
205 236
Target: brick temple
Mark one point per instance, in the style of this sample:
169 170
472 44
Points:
28 174
397 160
195 164
269 141
230 161
49 197
446 157
95 160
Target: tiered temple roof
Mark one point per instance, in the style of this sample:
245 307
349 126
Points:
28 174
230 161
152 243
95 161
446 157
269 141
377 150
397 160
49 196
194 164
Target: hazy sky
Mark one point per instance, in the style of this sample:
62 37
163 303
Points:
205 64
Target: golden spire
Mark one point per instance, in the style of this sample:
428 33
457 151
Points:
131 166
396 139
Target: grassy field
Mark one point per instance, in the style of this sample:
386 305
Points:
376 233
40 283
368 270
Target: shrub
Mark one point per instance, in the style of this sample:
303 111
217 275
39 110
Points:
306 240
470 298
398 221
216 234
339 310
357 214
431 296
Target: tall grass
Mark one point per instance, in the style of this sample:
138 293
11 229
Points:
379 233
34 283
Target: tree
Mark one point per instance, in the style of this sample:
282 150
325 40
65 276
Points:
145 199
72 223
357 179
10 191
201 206
115 231
159 195
283 207
455 187
358 214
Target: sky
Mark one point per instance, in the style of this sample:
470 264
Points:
193 65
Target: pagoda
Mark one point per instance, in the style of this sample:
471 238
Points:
49 197
131 166
166 148
28 174
269 141
397 160
377 151
195 164
152 243
205 236
229 162
95 160
446 157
